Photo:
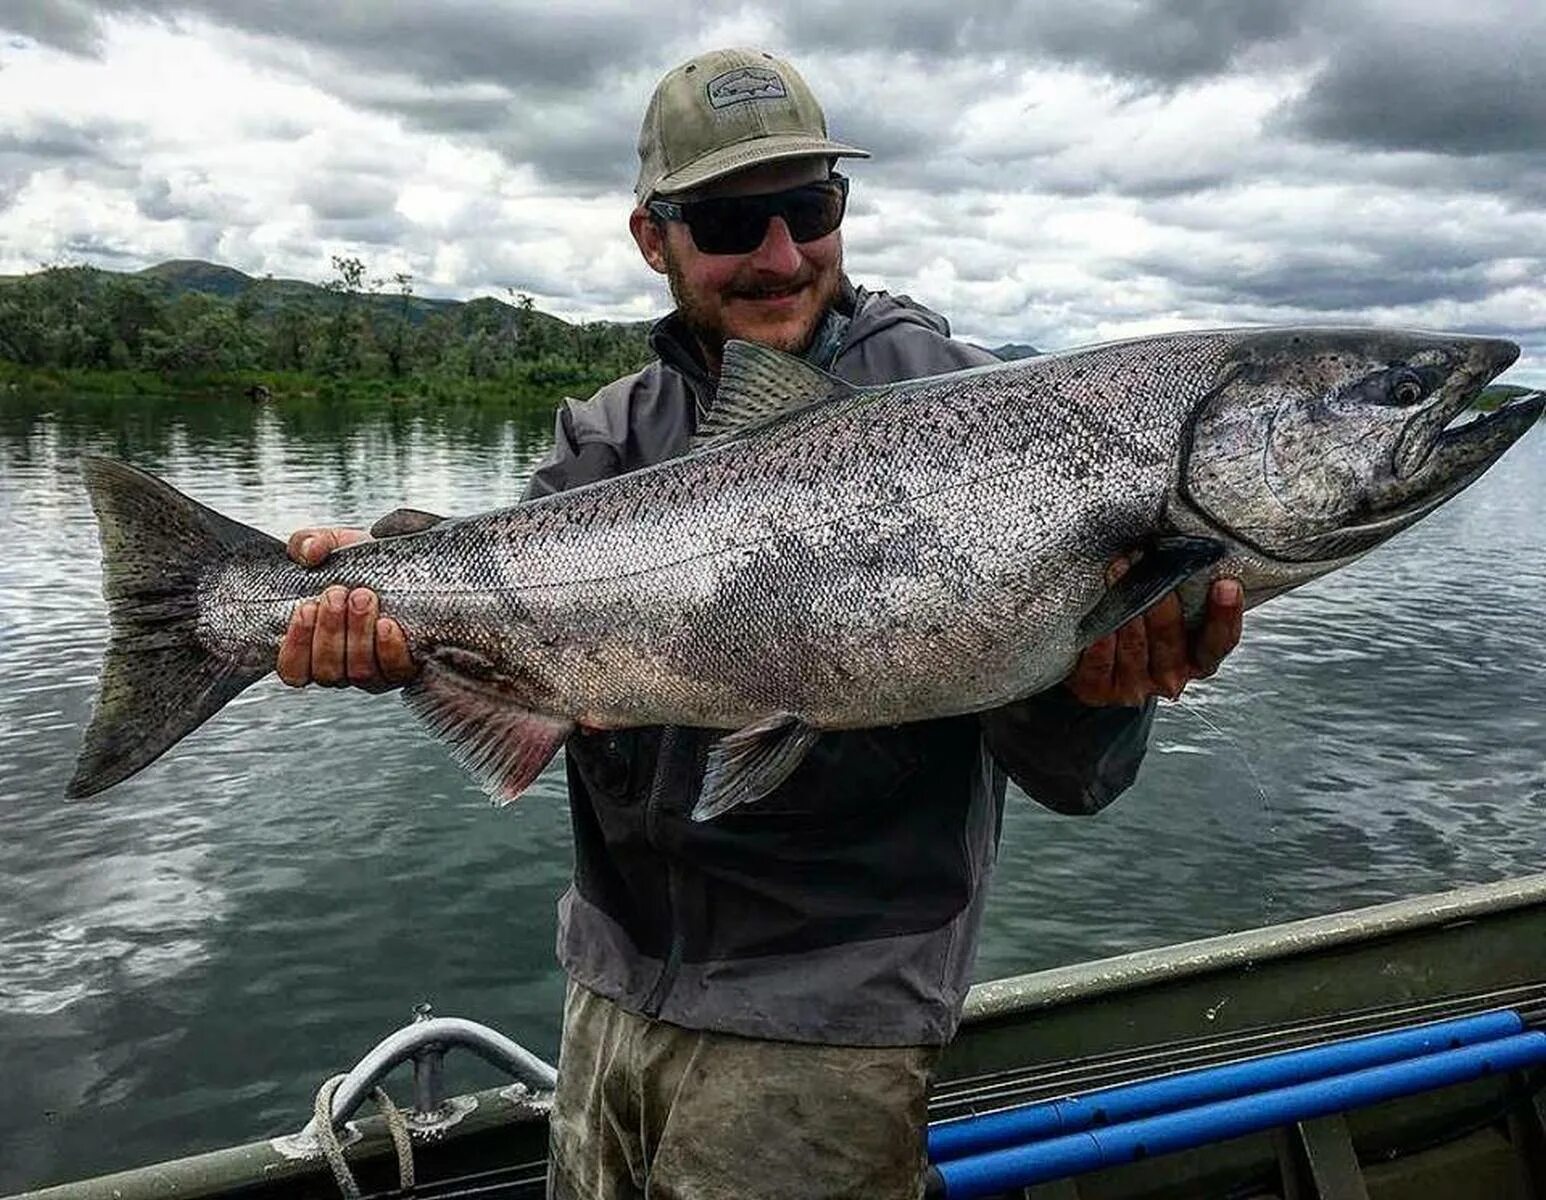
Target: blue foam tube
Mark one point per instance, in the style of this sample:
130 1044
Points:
1021 1166
1109 1106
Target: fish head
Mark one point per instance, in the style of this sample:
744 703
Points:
1318 445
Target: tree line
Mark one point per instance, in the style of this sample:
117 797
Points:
350 330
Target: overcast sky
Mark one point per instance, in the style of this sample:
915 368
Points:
1057 173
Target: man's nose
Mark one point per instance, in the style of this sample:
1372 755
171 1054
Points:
779 253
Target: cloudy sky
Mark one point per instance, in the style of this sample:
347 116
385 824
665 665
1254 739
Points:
1057 173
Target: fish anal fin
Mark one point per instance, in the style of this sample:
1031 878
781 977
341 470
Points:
748 764
1165 563
503 744
757 386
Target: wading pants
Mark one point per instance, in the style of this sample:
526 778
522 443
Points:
650 1110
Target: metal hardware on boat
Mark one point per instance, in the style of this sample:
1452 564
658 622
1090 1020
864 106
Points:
430 1107
425 1042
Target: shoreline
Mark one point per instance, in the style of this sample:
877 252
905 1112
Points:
538 388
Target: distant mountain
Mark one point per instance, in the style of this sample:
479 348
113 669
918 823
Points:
1015 350
194 275
182 275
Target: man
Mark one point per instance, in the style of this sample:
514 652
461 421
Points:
756 1003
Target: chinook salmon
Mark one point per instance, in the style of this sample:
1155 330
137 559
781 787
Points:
827 556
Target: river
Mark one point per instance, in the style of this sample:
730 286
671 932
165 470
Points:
185 958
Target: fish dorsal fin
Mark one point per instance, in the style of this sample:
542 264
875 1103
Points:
758 386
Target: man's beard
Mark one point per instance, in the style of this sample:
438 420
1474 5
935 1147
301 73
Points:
708 329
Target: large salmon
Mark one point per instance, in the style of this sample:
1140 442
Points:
829 556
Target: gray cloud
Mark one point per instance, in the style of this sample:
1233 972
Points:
1331 281
1464 87
154 200
1275 159
347 197
1167 41
1155 41
100 150
71 25
380 229
50 140
90 246
538 44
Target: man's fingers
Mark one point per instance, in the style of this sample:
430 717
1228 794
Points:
311 545
348 537
294 665
360 640
327 643
1220 631
1090 680
1133 684
397 665
1166 630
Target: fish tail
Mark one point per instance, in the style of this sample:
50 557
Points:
159 679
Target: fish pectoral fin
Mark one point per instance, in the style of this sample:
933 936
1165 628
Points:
504 745
757 386
750 763
1165 564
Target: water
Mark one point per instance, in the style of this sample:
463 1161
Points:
183 960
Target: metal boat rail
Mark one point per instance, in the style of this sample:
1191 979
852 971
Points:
424 1043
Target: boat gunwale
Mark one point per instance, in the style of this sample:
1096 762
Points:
1016 995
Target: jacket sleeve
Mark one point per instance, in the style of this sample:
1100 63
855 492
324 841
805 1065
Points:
572 461
1068 756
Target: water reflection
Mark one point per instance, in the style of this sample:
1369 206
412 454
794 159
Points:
183 959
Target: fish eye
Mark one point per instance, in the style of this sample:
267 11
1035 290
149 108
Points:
1406 387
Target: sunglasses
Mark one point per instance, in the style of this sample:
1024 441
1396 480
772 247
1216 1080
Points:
737 224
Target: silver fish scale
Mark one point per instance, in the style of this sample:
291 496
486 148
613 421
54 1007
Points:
893 554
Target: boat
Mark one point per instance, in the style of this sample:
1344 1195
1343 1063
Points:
1386 985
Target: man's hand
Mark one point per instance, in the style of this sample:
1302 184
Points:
1152 655
338 639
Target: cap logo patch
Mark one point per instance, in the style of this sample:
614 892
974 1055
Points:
745 83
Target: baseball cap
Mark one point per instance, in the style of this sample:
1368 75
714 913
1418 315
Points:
724 111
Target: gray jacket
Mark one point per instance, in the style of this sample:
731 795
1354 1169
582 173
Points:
845 907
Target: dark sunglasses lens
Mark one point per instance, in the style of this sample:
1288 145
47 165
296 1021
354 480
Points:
813 212
737 225
726 226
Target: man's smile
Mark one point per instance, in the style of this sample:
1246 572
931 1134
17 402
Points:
785 297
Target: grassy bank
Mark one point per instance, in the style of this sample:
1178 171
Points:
534 384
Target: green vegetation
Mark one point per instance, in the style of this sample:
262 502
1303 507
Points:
1497 395
195 327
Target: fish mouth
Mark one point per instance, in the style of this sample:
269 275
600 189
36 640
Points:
1456 458
1433 444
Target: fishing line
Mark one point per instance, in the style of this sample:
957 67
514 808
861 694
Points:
1235 744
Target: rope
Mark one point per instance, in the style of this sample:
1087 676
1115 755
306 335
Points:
332 1148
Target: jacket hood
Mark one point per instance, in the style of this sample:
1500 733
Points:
875 312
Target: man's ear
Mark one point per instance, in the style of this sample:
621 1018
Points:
650 238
